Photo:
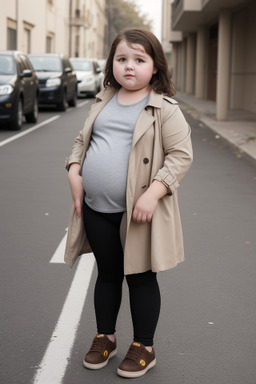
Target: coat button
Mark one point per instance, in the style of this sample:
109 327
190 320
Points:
145 160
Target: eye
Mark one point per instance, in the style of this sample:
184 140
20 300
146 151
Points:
122 60
140 61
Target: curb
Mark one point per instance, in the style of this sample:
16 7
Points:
210 124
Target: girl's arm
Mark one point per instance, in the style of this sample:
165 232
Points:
75 179
176 136
178 158
73 165
76 186
77 151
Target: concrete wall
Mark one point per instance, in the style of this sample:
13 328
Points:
45 18
243 61
236 58
95 36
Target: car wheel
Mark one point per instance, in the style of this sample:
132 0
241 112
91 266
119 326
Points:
16 123
72 102
33 115
63 105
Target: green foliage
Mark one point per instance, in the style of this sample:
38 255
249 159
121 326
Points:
123 14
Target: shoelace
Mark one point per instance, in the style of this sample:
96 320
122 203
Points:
134 353
98 345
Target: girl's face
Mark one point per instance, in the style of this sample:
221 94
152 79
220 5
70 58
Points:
133 68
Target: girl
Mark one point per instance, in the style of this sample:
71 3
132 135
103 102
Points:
124 171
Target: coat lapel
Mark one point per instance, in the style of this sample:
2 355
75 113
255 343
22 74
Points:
144 121
146 118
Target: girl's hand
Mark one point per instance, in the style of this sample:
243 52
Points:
147 203
144 208
76 186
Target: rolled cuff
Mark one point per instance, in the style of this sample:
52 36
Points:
70 160
168 179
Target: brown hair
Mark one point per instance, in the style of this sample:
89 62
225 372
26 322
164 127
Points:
161 81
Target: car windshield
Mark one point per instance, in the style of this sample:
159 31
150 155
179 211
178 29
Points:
7 65
82 65
46 64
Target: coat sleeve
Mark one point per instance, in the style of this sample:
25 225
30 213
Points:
177 146
77 151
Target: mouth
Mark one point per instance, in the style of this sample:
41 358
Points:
129 76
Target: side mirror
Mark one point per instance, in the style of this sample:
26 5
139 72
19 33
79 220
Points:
26 73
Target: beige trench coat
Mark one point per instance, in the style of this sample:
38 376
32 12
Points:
161 150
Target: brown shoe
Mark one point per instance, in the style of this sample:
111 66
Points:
101 351
137 361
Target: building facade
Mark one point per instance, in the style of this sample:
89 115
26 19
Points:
166 30
213 51
72 27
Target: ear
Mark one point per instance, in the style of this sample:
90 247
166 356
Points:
155 70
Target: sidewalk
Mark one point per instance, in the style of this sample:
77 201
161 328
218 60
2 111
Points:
239 130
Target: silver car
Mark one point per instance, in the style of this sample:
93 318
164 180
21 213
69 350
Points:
89 74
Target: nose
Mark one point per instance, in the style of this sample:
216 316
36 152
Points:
129 65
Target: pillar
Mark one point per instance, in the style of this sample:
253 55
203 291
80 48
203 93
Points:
201 62
223 68
174 59
183 65
190 64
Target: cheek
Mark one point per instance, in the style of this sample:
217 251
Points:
146 75
116 70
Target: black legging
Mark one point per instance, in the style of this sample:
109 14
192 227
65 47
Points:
102 230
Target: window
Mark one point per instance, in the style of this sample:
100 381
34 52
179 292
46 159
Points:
77 5
11 34
27 37
77 42
11 38
25 62
27 41
46 63
7 66
49 42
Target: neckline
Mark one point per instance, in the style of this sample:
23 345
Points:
130 105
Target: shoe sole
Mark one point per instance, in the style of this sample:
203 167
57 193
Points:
132 375
100 365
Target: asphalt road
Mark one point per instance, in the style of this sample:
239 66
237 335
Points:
207 329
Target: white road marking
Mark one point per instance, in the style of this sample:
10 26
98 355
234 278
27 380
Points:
83 103
15 137
58 256
78 105
54 363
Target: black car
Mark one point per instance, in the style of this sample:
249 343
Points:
57 80
19 89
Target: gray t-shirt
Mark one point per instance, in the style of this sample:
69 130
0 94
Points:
106 164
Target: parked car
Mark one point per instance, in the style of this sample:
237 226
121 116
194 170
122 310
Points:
88 74
19 90
57 80
102 64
